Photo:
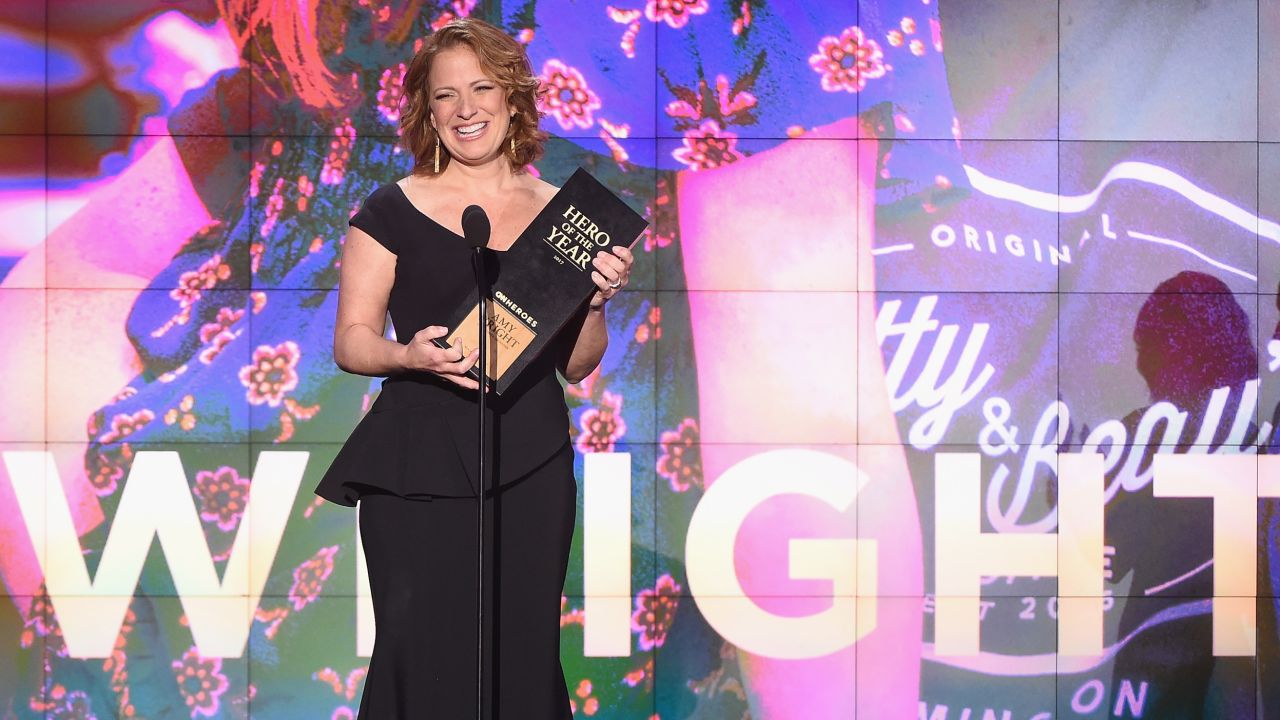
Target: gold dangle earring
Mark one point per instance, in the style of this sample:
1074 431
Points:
437 157
513 145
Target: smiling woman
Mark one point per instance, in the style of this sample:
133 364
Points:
470 120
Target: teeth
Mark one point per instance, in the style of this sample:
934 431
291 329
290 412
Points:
471 129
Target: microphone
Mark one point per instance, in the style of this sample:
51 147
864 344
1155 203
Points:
475 230
475 227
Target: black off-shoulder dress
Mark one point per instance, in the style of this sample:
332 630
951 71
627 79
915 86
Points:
411 465
419 438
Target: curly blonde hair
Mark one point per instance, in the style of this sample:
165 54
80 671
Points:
501 58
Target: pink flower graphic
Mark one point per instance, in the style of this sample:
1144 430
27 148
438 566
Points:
743 21
306 189
125 424
655 611
309 577
272 373
848 62
38 622
74 705
651 328
219 342
681 460
630 18
642 674
662 232
255 178
676 13
707 147
463 8
217 334
590 703
184 415
105 467
193 283
226 318
275 204
222 494
201 682
602 426
343 688
390 91
335 164
567 98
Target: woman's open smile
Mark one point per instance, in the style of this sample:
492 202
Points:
472 131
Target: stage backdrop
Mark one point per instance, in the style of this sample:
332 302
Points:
945 386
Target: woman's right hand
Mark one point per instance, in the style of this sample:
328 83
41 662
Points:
449 363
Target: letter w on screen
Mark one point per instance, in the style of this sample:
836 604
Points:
155 502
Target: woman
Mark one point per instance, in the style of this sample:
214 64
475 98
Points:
471 122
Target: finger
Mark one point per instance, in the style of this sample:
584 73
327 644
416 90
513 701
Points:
601 282
613 275
438 355
456 372
462 365
460 350
462 381
624 253
431 332
609 264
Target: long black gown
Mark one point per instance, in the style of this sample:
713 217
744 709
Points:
410 463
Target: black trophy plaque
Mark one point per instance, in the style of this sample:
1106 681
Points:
544 277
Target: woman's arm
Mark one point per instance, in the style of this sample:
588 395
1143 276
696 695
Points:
593 335
588 348
364 287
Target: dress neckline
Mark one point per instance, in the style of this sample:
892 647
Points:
404 195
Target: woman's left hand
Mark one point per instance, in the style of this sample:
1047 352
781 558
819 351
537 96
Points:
612 270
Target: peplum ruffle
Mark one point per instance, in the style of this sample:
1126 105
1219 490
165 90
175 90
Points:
418 441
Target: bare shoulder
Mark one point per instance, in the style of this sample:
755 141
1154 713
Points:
409 183
414 185
431 197
542 190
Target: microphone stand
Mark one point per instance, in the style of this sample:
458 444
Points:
482 285
476 230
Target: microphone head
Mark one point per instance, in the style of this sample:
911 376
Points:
475 226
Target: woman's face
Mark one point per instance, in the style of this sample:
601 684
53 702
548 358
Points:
469 109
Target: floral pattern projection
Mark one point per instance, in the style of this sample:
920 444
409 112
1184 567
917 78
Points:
234 337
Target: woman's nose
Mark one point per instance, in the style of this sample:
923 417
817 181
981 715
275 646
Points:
466 107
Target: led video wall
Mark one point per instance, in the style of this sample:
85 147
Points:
946 384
